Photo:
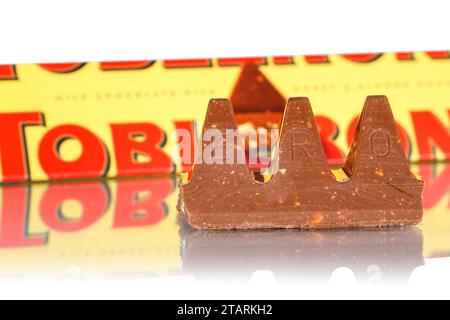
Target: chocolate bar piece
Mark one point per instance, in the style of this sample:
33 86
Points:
257 104
379 188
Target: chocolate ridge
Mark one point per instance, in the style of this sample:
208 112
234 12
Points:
381 190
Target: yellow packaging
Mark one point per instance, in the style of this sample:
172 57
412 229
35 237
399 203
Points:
76 120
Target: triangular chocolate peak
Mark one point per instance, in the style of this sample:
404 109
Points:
253 92
376 153
302 193
220 115
221 150
300 146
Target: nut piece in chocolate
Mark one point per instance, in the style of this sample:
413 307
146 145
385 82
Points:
378 189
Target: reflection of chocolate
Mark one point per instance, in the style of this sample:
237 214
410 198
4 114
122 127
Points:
388 255
379 189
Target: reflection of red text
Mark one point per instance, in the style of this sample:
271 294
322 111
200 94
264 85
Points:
141 203
15 217
137 203
92 197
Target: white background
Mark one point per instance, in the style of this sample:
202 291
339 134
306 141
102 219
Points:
427 282
65 31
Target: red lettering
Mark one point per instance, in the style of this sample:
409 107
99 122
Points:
140 203
8 72
187 63
225 62
438 54
13 148
62 67
317 59
362 57
432 54
93 198
14 219
92 163
283 60
430 133
126 65
405 56
436 187
329 131
136 140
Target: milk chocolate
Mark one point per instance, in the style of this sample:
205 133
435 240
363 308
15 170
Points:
379 189
257 104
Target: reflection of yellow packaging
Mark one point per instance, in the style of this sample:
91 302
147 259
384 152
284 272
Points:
128 228
118 119
111 229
